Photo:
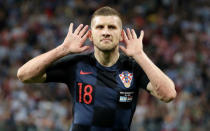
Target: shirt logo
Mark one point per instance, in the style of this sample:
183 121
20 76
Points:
126 78
126 97
85 73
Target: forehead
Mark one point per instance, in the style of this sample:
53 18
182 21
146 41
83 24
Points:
106 20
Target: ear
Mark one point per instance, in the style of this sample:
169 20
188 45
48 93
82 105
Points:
121 36
90 36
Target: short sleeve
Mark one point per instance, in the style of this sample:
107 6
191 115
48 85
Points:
141 77
60 70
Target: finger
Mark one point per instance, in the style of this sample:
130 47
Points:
133 34
123 48
71 28
125 38
142 35
82 32
129 34
84 37
76 32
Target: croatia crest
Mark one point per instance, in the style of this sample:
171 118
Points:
126 78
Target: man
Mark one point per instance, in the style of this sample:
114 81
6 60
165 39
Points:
104 84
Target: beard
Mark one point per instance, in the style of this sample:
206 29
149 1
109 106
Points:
106 47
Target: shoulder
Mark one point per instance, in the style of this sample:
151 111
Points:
72 59
129 63
125 60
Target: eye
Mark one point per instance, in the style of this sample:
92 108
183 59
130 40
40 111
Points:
99 27
112 27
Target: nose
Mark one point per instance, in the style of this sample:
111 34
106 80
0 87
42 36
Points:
106 32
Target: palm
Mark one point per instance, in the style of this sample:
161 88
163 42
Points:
74 40
133 45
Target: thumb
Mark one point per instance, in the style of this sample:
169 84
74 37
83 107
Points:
123 48
84 48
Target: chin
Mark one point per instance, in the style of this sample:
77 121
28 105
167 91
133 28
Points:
106 48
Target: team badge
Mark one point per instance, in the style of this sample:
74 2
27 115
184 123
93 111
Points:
126 78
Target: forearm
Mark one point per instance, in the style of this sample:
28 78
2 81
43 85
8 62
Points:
162 85
35 68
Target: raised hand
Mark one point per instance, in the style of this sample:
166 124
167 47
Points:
133 45
74 40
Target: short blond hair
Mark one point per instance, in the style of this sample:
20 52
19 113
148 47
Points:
106 11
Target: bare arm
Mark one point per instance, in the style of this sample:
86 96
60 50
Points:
160 85
34 70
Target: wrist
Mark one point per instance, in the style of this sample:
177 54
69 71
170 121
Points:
139 55
61 50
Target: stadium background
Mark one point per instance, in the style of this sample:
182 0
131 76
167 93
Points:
177 39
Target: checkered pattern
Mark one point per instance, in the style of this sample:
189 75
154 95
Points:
101 100
126 78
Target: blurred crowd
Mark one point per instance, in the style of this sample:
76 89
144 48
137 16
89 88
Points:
177 39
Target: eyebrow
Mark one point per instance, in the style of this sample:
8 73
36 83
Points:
110 25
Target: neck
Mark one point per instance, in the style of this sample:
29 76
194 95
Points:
107 58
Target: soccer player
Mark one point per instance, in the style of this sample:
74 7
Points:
103 84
